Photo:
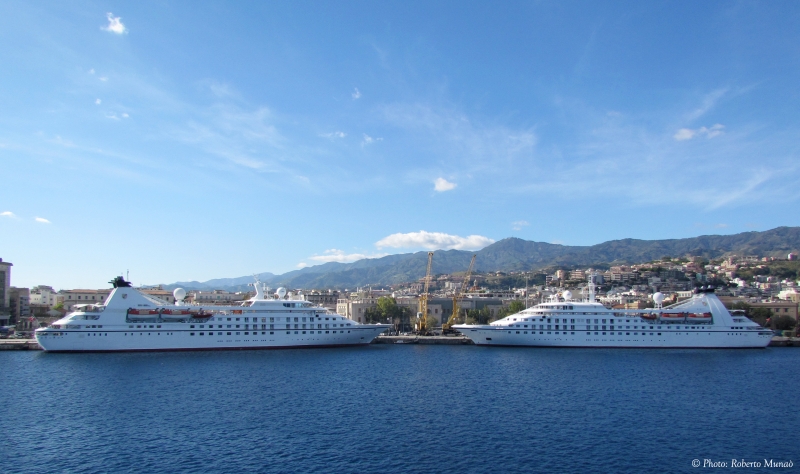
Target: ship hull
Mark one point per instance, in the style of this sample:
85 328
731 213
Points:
166 339
709 339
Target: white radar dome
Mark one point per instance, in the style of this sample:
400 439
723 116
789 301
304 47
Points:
658 298
567 295
179 294
281 292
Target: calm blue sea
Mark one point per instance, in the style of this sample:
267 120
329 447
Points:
398 408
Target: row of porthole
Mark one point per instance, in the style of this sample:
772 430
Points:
264 333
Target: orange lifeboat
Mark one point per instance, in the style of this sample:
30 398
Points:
143 313
175 313
700 317
673 316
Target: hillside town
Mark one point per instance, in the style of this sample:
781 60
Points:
768 288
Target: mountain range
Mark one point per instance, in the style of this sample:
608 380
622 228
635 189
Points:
513 254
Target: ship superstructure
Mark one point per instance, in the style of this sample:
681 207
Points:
130 320
699 322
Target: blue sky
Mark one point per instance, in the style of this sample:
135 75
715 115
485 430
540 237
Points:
198 140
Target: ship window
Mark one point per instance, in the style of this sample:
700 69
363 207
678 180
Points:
272 320
229 334
191 334
192 326
237 319
202 334
229 319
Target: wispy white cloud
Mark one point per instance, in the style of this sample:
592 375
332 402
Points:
98 101
708 132
608 151
336 134
356 94
114 24
8 214
708 103
451 138
103 78
368 140
518 225
336 255
720 226
222 90
442 185
91 71
41 220
302 265
433 241
243 137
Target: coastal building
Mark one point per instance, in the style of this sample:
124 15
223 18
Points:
5 294
778 307
70 298
212 297
577 275
20 303
160 293
327 299
43 295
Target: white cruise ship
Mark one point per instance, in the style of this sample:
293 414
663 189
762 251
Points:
699 322
130 320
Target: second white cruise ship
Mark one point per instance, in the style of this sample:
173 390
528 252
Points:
130 320
699 322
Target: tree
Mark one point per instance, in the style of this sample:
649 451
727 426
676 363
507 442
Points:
373 316
784 322
430 322
386 309
757 315
478 316
515 307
